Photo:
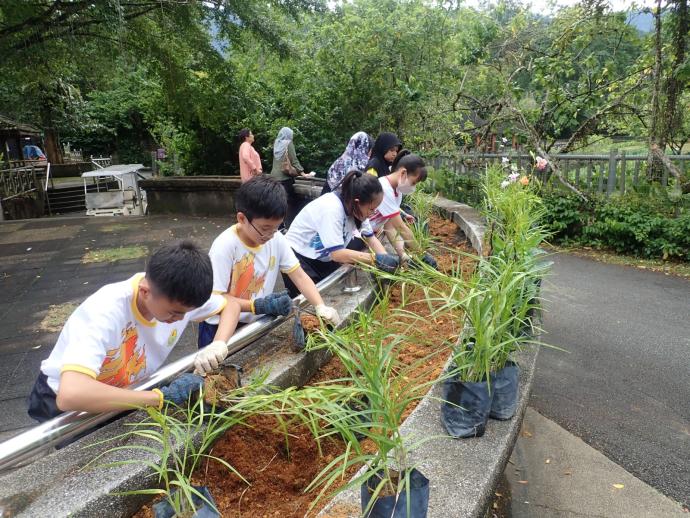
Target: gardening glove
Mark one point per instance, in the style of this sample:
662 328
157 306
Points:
209 358
274 304
425 258
182 388
298 339
429 259
329 314
387 262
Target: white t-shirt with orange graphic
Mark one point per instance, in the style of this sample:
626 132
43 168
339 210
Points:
108 338
248 272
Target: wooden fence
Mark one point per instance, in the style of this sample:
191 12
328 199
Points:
607 174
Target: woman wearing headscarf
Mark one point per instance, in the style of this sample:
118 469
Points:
356 156
383 153
286 167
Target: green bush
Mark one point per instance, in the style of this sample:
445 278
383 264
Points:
635 224
649 221
462 188
564 215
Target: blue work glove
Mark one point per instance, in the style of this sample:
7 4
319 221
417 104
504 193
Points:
180 390
274 304
428 259
387 262
298 338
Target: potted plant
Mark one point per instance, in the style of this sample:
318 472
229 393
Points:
390 485
503 297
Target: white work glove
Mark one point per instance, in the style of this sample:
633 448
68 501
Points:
209 358
328 313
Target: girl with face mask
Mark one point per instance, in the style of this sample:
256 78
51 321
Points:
407 171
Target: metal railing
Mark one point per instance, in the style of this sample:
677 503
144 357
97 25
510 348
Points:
604 173
68 425
17 181
101 163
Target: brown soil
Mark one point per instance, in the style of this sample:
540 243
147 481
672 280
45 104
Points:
310 323
279 468
215 385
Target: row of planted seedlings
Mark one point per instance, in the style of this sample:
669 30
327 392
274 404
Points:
379 383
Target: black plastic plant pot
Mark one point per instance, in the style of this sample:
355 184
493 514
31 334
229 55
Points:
466 407
395 506
505 387
163 509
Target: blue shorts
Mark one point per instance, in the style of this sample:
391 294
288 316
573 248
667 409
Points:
206 334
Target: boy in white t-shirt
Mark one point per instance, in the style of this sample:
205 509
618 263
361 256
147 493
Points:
248 257
125 331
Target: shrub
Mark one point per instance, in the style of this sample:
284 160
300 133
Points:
640 223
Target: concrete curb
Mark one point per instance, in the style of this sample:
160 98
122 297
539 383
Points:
462 472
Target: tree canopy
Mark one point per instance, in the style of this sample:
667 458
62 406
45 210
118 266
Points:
129 76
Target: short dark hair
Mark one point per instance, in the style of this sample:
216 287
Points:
243 134
182 272
413 164
262 197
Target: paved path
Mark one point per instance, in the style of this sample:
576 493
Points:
554 474
41 265
624 387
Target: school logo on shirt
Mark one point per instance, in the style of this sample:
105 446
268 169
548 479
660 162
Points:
123 364
316 243
244 283
172 338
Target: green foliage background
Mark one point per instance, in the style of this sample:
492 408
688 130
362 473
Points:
188 75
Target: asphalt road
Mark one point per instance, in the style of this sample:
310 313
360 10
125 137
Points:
624 385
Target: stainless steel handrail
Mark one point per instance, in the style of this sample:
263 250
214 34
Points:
67 425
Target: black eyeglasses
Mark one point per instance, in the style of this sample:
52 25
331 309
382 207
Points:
261 233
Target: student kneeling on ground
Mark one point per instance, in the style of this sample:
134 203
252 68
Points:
320 233
247 257
125 331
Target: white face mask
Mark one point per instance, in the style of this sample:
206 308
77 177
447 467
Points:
404 187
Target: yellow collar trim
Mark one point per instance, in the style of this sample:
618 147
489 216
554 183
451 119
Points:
254 249
135 309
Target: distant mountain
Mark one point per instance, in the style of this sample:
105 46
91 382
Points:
643 22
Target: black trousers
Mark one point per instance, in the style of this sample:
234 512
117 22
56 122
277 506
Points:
293 200
315 269
42 404
358 244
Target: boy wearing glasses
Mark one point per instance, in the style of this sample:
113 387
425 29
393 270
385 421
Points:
248 257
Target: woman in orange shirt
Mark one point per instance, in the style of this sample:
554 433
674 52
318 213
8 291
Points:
250 161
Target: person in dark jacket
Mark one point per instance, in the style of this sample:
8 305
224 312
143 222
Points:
383 153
